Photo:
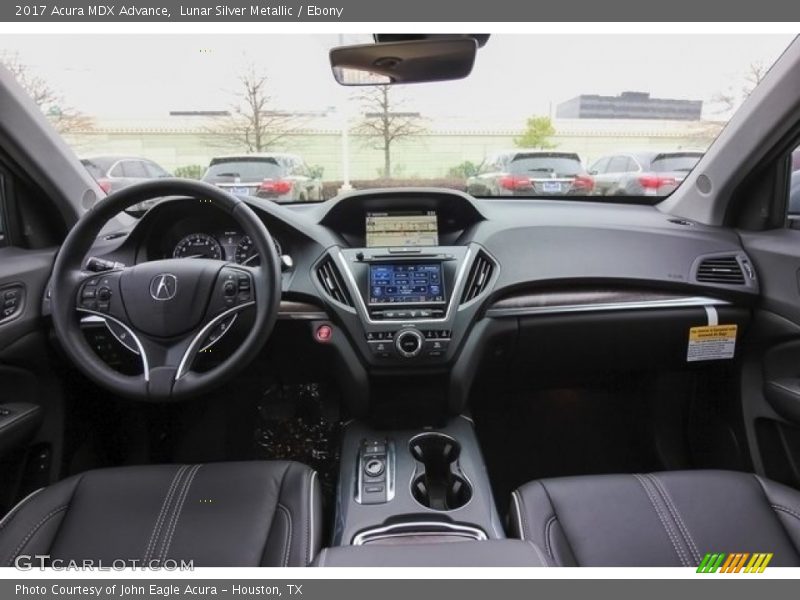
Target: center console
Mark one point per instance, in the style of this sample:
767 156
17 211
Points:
405 287
490 553
405 300
414 486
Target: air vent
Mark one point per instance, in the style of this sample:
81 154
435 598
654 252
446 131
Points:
331 280
479 275
720 269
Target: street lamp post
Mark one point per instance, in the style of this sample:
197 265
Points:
346 187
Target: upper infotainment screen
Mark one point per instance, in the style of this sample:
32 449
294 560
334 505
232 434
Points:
402 229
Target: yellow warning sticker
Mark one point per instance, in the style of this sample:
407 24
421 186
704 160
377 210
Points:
711 342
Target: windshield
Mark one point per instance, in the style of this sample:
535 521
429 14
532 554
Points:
535 107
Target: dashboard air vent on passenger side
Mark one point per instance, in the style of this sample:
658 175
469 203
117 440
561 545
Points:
720 269
332 282
479 275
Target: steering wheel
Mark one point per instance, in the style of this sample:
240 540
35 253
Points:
166 311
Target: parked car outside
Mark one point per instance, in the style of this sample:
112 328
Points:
113 173
280 177
524 172
649 173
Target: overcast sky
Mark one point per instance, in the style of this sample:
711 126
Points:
516 75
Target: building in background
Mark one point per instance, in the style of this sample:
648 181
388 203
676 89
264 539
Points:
630 105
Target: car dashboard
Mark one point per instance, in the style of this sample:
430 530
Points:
438 283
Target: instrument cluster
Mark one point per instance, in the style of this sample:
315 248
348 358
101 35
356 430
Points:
229 245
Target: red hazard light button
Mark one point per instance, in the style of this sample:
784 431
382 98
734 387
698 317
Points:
323 334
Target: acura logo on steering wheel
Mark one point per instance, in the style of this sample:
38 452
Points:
164 286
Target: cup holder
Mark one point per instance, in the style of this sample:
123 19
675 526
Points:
438 482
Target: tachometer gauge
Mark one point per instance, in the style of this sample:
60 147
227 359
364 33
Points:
246 252
198 245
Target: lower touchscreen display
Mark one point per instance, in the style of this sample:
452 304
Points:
406 284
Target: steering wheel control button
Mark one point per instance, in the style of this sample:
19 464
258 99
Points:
323 334
122 335
96 293
409 343
216 334
234 287
244 286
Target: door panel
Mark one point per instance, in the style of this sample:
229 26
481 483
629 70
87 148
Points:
771 371
24 273
31 419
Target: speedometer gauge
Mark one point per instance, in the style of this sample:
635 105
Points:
198 245
246 253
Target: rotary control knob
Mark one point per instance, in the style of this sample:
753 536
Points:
409 343
374 467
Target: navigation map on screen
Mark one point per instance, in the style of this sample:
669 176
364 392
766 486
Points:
402 229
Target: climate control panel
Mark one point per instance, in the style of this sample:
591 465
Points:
406 306
409 343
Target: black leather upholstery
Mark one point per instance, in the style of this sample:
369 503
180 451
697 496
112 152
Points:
488 553
220 514
660 519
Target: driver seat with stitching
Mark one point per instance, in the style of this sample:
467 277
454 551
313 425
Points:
221 514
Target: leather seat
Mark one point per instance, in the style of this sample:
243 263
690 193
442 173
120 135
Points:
221 514
661 519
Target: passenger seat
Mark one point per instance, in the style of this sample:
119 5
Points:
669 519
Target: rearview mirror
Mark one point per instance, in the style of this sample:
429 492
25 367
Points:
404 62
